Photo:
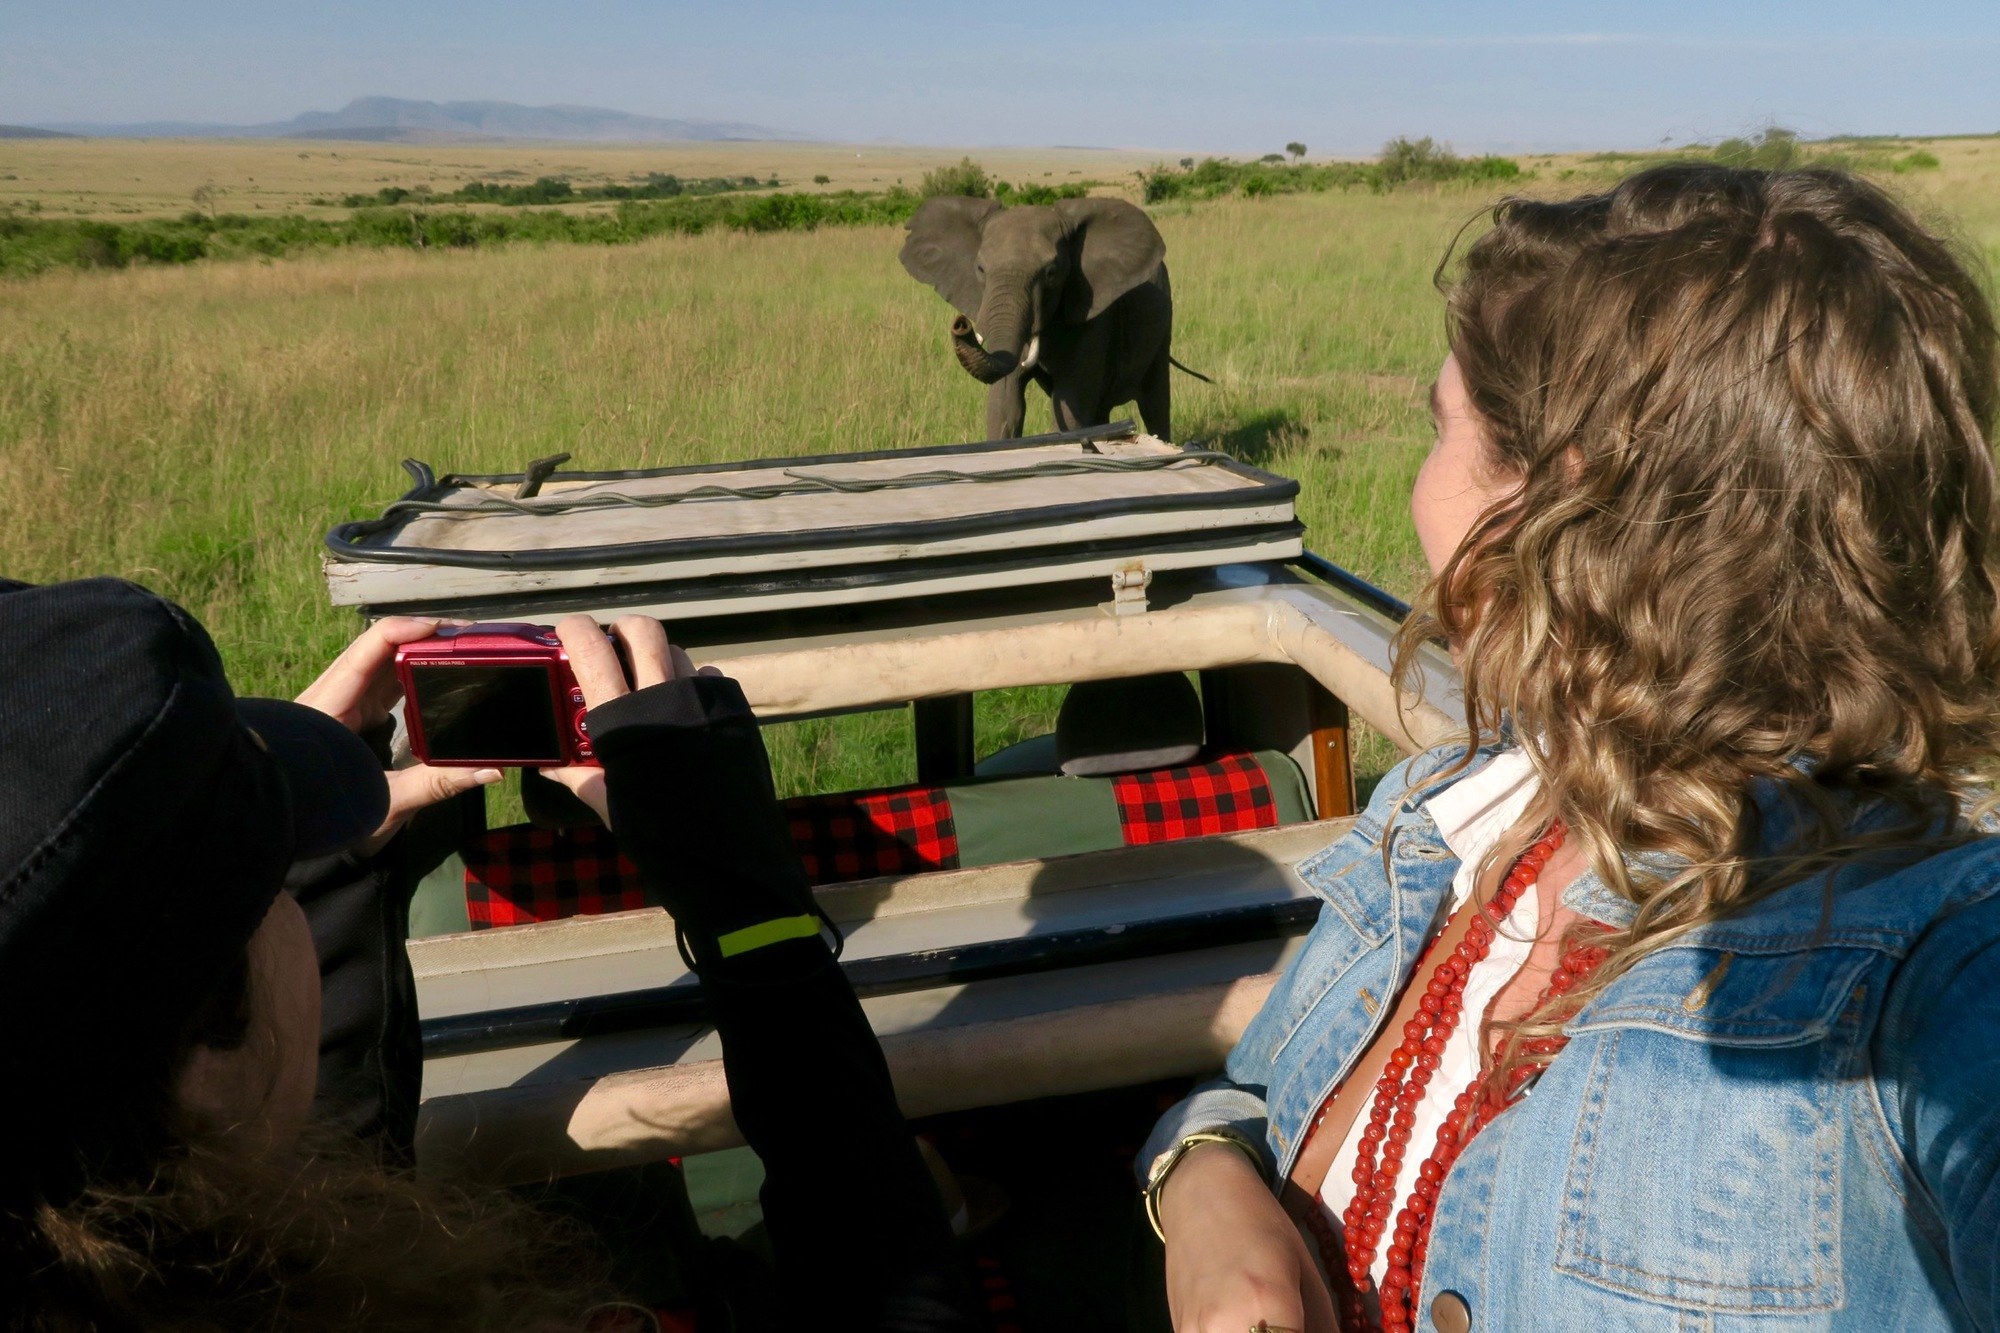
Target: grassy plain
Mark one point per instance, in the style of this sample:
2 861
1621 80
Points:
136 178
199 428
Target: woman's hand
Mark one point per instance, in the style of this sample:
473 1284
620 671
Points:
358 691
1233 1256
601 677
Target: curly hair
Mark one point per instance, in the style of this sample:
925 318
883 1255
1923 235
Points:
1745 417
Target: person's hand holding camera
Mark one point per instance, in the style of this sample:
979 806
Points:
358 691
686 788
602 678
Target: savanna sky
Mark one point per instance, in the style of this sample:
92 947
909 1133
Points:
1241 77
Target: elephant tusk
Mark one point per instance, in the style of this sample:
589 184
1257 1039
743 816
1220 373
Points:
1034 352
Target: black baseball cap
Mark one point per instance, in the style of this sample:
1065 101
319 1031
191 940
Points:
148 817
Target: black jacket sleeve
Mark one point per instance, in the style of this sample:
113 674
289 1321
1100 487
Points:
857 1230
692 805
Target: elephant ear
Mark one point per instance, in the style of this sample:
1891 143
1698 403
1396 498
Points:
1117 248
943 247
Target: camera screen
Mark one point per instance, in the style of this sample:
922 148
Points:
497 713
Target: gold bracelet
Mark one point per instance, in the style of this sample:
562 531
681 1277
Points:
1182 1149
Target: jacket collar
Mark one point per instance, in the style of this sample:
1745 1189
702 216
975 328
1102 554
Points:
1433 831
1859 907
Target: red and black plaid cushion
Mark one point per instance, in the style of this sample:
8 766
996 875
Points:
1225 795
521 874
857 835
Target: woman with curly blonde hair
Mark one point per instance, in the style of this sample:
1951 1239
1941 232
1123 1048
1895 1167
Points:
1711 517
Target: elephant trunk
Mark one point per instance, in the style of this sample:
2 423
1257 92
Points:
991 349
983 365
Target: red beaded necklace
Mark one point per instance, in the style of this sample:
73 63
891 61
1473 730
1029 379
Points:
1385 1139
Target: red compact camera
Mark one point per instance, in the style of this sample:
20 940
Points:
492 696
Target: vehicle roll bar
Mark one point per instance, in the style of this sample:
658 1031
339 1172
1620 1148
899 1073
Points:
1354 586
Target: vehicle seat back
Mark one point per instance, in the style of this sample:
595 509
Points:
522 874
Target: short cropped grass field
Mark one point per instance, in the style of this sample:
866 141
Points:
198 428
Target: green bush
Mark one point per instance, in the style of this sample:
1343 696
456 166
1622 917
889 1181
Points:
31 245
1426 160
1401 160
1035 192
782 212
557 190
1774 149
97 245
162 243
1778 149
964 177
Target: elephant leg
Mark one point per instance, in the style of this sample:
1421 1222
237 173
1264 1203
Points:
1156 398
1072 412
1079 391
1007 406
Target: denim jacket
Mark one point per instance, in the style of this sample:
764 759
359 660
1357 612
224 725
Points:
1789 1119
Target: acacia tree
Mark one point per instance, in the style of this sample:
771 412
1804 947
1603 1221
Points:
1295 148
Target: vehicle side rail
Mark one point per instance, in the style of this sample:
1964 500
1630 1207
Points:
1354 585
602 1015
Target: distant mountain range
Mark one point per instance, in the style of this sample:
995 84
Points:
399 120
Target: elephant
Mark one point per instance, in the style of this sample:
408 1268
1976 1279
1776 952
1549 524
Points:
1073 296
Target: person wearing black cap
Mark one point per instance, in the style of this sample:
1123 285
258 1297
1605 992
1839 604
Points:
163 996
147 820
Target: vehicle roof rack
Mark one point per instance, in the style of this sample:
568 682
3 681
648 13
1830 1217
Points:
780 533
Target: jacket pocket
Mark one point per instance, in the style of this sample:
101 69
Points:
1348 876
1705 1167
1331 951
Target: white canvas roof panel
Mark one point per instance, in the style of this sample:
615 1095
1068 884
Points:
832 528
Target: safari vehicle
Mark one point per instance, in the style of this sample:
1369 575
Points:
1016 932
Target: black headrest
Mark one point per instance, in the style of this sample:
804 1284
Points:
1124 726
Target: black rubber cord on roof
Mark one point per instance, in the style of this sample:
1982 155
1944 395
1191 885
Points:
801 484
